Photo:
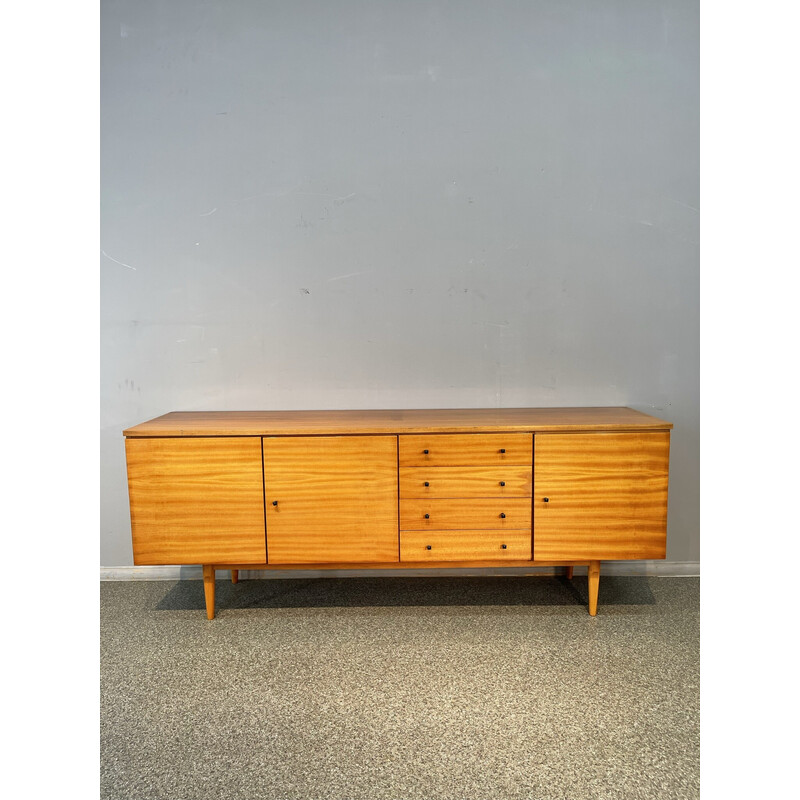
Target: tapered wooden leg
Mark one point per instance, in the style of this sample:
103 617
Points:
569 573
594 585
234 576
209 586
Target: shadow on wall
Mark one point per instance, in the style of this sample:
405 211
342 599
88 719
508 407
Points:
392 592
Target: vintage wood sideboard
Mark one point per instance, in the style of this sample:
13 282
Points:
523 487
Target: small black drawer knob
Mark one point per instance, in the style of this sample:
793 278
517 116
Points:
504 546
427 516
502 449
502 483
546 499
502 515
426 483
425 451
274 502
428 547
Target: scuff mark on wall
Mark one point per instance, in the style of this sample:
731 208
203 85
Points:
685 205
121 263
349 275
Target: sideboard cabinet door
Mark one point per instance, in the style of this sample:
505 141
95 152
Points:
331 499
196 500
600 496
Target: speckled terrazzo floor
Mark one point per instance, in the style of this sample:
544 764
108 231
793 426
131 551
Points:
403 688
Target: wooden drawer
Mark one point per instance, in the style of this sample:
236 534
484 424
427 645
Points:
465 482
465 545
468 449
473 514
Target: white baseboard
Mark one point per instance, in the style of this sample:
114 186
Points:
671 569
661 569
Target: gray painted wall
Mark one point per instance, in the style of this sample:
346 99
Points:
400 204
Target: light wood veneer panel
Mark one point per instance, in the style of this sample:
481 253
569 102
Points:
607 496
465 482
478 545
409 564
455 450
463 514
336 499
196 501
443 420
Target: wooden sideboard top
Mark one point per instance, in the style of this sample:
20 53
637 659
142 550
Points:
439 420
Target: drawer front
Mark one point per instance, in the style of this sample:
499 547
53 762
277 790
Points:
465 545
472 514
508 481
467 449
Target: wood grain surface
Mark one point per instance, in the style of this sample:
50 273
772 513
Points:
195 501
480 545
467 514
209 589
331 498
446 420
465 482
607 496
467 449
524 563
594 586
